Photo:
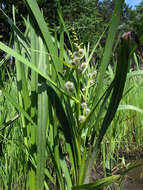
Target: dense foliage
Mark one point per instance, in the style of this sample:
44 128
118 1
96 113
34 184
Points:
88 18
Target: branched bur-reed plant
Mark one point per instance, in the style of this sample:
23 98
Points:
64 103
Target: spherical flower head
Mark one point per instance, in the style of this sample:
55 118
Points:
90 75
91 82
76 59
83 89
87 111
71 62
94 74
83 66
70 53
69 86
81 118
81 53
84 105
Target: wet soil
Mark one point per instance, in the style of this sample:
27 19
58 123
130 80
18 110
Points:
134 179
133 186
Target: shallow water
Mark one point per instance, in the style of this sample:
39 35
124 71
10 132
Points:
133 186
134 179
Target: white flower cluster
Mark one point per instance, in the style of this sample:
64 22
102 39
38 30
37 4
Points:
76 60
87 111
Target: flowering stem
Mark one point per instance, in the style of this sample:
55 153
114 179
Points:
86 90
78 95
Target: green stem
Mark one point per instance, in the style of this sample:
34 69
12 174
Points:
78 96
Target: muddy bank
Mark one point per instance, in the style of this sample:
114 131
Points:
132 186
134 179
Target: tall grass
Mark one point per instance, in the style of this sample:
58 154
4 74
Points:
65 107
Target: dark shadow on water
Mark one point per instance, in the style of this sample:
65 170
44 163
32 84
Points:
133 186
134 179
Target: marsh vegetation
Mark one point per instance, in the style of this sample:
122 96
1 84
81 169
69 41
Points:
70 112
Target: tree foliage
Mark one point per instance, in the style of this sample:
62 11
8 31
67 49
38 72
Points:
88 18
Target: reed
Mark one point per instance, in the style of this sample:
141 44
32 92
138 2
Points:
66 107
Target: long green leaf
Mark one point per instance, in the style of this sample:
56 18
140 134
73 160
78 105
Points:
43 30
118 87
17 106
98 184
42 121
119 83
130 107
109 44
